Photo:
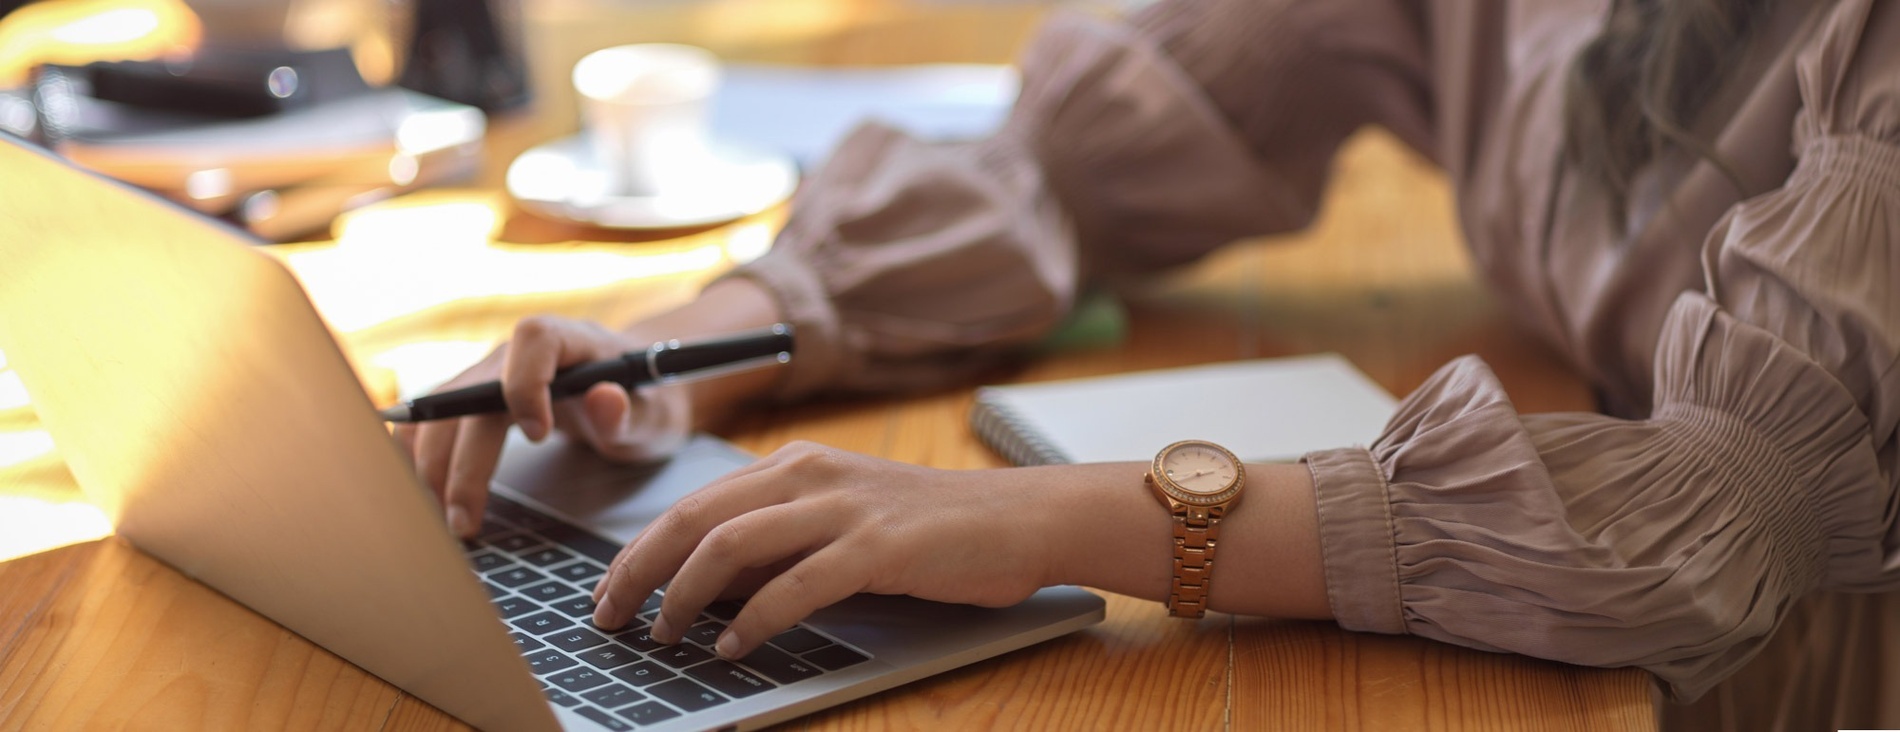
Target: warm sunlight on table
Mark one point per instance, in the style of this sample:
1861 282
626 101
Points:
416 289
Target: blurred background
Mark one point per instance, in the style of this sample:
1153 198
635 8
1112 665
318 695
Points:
368 145
280 114
390 176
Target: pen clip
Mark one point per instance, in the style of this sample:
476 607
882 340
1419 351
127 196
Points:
724 369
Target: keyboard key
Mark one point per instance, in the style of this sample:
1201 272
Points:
648 713
601 718
525 643
515 576
729 679
546 557
642 673
515 543
486 561
705 633
608 656
580 606
640 638
652 603
724 610
493 526
495 591
518 514
686 695
514 607
799 640
590 546
578 679
542 623
562 698
613 696
682 655
548 661
549 591
836 657
780 666
574 640
578 572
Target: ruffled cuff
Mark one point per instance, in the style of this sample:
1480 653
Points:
1673 543
1797 439
1449 444
907 265
1355 540
801 299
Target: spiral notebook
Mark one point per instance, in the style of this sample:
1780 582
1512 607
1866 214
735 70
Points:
1265 410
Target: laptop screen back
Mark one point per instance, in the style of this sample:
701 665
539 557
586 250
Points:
201 402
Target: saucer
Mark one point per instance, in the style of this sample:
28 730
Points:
563 180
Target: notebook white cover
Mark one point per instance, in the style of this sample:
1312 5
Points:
1265 410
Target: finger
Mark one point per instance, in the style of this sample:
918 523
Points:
540 347
756 539
664 544
406 436
435 442
827 576
597 418
477 448
606 407
627 426
692 503
744 479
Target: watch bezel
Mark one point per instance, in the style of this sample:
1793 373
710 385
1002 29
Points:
1182 495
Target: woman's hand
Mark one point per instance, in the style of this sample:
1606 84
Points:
457 457
817 525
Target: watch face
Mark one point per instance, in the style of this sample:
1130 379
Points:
1200 468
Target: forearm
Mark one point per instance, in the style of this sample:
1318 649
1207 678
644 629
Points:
1106 530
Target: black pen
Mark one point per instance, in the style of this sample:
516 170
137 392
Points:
663 362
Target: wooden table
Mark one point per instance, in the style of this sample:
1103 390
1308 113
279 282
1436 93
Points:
99 635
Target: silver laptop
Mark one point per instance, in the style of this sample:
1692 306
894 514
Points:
202 403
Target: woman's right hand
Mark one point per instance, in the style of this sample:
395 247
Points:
456 458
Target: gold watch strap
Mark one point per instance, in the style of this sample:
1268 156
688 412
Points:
1196 531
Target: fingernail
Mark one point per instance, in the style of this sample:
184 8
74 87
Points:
604 613
534 430
663 631
728 646
458 521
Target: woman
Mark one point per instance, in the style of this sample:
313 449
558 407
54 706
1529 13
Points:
1695 202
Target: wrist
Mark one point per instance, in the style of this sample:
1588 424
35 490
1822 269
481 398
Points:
725 306
1104 529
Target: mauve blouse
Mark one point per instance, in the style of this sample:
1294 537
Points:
1744 339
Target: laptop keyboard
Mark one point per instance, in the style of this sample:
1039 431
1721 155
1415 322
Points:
540 572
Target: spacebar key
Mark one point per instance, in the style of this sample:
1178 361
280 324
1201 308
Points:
734 681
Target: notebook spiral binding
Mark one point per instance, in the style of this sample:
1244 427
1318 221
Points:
1010 436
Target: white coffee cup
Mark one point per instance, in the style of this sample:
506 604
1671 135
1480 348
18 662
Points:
644 108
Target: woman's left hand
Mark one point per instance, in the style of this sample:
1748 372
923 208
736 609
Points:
817 525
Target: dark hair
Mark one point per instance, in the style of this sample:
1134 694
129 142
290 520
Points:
1634 90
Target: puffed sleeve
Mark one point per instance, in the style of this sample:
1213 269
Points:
1132 147
1765 470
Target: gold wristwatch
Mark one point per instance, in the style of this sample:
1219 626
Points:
1198 481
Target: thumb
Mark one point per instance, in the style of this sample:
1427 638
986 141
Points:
605 408
633 427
